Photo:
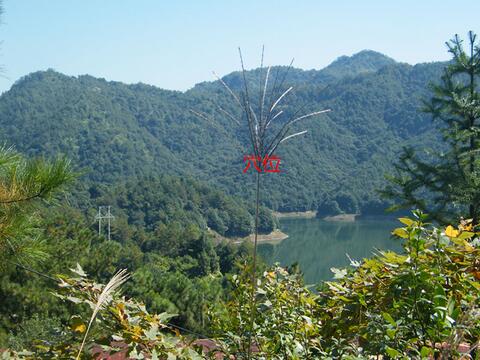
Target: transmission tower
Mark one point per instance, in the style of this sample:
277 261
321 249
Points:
104 214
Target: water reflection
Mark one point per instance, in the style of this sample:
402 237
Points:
318 245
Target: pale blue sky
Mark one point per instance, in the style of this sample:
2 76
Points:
175 44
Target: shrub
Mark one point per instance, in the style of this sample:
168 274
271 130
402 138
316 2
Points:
121 325
417 304
285 325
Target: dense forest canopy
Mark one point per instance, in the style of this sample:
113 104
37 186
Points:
115 132
151 202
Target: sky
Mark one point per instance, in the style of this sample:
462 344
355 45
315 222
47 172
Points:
176 44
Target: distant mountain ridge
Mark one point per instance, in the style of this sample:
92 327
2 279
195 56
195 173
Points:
120 131
365 61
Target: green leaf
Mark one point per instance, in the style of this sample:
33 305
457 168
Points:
152 333
389 318
260 291
391 333
165 317
74 299
465 235
451 306
392 352
338 273
450 320
134 354
79 271
361 300
425 352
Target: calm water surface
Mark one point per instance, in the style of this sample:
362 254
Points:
317 245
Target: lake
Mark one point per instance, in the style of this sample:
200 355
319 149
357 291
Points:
318 245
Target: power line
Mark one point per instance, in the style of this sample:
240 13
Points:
189 331
33 271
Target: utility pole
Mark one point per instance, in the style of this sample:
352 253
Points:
104 215
109 217
98 218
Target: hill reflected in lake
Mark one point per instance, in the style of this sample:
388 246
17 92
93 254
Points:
318 245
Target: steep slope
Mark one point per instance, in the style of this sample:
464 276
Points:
116 131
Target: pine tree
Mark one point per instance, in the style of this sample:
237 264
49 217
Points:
447 184
24 185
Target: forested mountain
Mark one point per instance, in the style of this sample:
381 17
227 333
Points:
151 203
116 132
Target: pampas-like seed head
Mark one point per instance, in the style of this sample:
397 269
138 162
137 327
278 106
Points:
104 298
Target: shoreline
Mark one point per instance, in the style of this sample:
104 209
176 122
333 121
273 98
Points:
295 214
275 236
313 214
342 217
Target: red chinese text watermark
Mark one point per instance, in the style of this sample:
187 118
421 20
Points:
269 164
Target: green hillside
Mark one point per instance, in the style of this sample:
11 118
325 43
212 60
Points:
116 132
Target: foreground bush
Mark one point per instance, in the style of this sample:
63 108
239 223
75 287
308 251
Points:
285 325
413 305
121 325
421 304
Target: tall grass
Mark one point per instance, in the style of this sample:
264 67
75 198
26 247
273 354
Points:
103 299
268 127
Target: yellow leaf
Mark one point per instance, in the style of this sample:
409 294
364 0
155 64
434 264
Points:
451 232
466 224
79 328
406 221
137 330
77 324
400 232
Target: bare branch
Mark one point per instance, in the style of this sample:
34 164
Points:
293 135
273 118
309 115
228 114
200 115
280 98
228 88
264 93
